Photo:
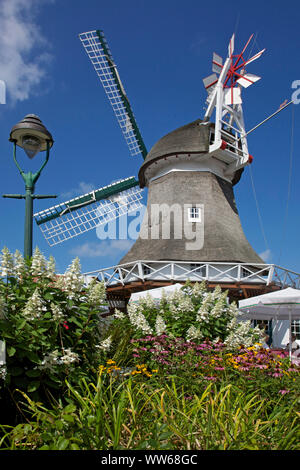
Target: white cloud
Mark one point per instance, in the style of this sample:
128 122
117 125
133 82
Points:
101 249
22 67
266 255
81 189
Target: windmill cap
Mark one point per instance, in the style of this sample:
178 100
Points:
190 138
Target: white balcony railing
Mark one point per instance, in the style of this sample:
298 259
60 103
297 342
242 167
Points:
218 272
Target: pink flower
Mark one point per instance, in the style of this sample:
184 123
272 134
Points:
283 392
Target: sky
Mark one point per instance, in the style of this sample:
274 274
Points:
163 50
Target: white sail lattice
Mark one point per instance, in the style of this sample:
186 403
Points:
99 54
72 223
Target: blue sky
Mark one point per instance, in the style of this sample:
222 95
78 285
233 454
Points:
163 50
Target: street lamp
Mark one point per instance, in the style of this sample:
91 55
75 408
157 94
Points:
31 135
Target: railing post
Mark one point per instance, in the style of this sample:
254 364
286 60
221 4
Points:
172 270
239 272
271 274
140 270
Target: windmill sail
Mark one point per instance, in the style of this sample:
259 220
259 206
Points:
81 214
95 45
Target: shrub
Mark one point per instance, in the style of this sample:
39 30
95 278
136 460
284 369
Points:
50 325
191 313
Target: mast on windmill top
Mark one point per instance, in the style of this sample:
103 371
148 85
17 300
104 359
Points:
224 88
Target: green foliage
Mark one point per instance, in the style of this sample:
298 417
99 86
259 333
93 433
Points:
50 325
131 414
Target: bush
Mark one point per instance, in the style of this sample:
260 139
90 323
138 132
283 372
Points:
190 313
50 325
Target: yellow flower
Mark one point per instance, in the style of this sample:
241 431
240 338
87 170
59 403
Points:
101 369
110 361
154 370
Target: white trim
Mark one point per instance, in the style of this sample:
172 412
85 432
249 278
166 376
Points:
264 274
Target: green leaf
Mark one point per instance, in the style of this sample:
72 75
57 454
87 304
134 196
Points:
68 418
11 351
62 443
33 373
21 324
33 386
78 323
48 296
15 371
75 446
69 408
33 357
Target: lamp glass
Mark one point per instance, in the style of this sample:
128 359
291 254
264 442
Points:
31 144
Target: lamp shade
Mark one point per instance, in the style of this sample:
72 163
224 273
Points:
31 135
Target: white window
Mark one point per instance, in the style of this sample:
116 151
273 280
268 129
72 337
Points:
296 328
194 214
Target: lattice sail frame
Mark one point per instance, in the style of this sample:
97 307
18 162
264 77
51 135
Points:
96 47
224 97
79 215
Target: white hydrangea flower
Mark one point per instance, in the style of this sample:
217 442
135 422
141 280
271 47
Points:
119 315
241 334
204 311
199 289
57 313
38 264
105 345
193 333
73 280
218 309
137 319
69 357
147 302
7 263
55 358
51 267
180 303
60 282
96 293
35 306
20 266
3 371
50 361
160 326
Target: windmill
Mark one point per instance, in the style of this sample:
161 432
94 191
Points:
191 170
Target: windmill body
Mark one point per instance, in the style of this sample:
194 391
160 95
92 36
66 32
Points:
191 229
191 212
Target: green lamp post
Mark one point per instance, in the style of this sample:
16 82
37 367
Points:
31 135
